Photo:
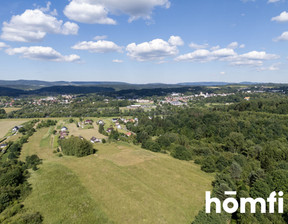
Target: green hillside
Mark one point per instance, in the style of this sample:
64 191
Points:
121 183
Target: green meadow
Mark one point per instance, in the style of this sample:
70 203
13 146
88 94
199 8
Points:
121 183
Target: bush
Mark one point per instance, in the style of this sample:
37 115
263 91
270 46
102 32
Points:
34 218
75 146
182 153
33 161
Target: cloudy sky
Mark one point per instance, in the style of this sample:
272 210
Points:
144 41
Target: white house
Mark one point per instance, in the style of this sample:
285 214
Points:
64 128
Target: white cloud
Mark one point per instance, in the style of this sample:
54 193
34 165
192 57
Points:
198 46
33 25
283 17
247 63
101 46
103 37
42 53
203 55
84 12
3 45
96 11
283 37
233 45
222 73
273 1
259 55
242 46
274 67
156 49
215 48
176 41
253 58
117 61
223 53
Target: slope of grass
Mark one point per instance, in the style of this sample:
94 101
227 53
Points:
6 125
10 109
123 182
60 197
38 144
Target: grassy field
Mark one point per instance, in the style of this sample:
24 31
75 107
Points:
6 125
85 133
122 183
10 109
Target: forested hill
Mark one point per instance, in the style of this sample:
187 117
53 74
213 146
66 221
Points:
107 91
5 91
70 90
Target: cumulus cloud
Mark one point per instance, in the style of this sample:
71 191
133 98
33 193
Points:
273 1
117 61
97 11
3 45
282 37
274 67
103 37
252 58
176 41
42 53
156 49
203 55
85 12
233 45
259 55
47 9
33 25
198 46
101 46
283 17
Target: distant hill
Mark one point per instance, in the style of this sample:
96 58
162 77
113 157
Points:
38 87
54 90
37 84
70 90
5 91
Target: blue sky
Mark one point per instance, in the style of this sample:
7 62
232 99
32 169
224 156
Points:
145 41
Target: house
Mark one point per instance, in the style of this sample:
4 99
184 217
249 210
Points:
109 130
88 122
81 137
247 98
118 126
95 140
63 134
63 129
15 129
4 145
100 122
129 134
114 119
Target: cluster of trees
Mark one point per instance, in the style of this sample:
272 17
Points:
14 188
13 180
270 105
46 123
2 113
14 148
75 146
247 150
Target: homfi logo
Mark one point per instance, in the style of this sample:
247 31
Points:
231 205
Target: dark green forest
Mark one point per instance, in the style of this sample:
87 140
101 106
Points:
245 145
14 187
